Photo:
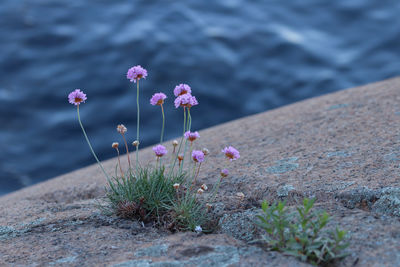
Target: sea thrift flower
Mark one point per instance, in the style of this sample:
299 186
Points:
224 173
198 156
204 187
186 100
200 191
76 97
182 89
121 129
115 145
136 73
160 150
176 186
191 136
198 229
135 143
231 153
158 99
205 151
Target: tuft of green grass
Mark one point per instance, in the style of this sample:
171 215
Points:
144 196
302 234
150 196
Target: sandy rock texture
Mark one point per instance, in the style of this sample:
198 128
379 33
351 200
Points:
342 148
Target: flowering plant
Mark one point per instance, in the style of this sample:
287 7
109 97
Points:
166 193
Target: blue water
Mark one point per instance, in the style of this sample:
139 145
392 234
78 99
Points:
240 57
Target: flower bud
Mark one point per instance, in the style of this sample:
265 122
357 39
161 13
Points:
180 157
175 143
176 186
204 187
135 143
205 151
115 145
121 129
200 191
240 196
209 206
224 173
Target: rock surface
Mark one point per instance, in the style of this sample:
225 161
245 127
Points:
342 148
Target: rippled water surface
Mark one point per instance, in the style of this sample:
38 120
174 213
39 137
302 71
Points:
240 57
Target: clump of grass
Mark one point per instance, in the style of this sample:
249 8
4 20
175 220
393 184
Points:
165 193
302 234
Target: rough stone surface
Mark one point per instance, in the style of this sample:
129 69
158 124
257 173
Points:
343 149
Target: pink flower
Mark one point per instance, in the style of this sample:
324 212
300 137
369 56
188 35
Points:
224 173
136 73
160 150
186 100
231 153
182 89
191 136
198 156
76 97
158 99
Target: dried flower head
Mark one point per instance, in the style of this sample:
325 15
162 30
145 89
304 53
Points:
182 89
205 151
200 191
180 158
160 150
186 100
176 186
121 129
136 73
209 206
231 153
115 145
240 196
224 172
198 229
198 156
191 136
135 143
204 187
158 99
76 97
175 143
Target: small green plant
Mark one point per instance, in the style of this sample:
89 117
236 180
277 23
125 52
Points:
166 192
301 234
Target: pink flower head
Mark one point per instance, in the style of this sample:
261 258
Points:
182 89
198 156
231 153
224 172
158 99
160 150
191 136
76 97
136 73
186 100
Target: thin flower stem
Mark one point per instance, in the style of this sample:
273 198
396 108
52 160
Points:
119 163
163 124
216 188
127 151
180 144
90 146
137 125
197 174
188 124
